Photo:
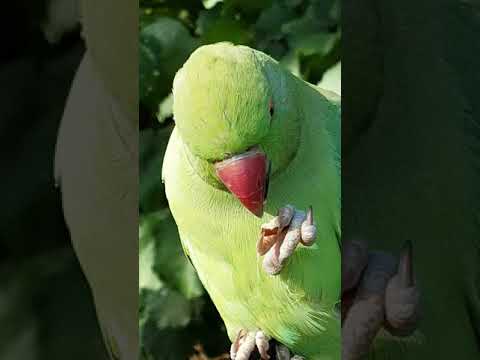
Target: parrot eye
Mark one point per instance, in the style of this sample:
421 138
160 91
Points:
270 107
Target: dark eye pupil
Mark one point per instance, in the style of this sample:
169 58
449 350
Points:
270 108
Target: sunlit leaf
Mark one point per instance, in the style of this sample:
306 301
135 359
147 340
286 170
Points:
332 79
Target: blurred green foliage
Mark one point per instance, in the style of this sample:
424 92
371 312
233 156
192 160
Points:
304 36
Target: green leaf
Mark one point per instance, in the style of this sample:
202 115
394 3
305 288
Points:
165 109
147 277
171 264
165 45
331 80
210 3
311 33
168 308
215 26
269 36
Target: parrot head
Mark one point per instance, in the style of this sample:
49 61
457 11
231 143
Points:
235 110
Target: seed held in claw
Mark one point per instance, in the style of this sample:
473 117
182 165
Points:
281 235
271 227
265 243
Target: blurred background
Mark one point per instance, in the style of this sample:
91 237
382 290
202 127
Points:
177 319
46 309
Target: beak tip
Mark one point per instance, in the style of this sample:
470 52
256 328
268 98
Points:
258 213
254 208
245 176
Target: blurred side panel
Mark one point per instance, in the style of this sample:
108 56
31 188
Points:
96 168
411 140
46 307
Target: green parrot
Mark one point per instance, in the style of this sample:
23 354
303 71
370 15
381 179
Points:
250 139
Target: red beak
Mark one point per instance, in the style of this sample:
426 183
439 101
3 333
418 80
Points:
246 176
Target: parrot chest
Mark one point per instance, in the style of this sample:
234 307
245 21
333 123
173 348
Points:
220 238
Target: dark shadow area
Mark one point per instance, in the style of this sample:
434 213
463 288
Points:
410 167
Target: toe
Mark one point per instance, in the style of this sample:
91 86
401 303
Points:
246 347
365 317
292 237
262 342
402 298
308 230
271 263
236 344
354 261
360 327
282 352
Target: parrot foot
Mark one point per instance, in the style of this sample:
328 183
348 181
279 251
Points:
280 237
282 353
255 345
377 291
246 343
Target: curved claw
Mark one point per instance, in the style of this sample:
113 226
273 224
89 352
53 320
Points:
309 219
405 265
402 297
308 229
